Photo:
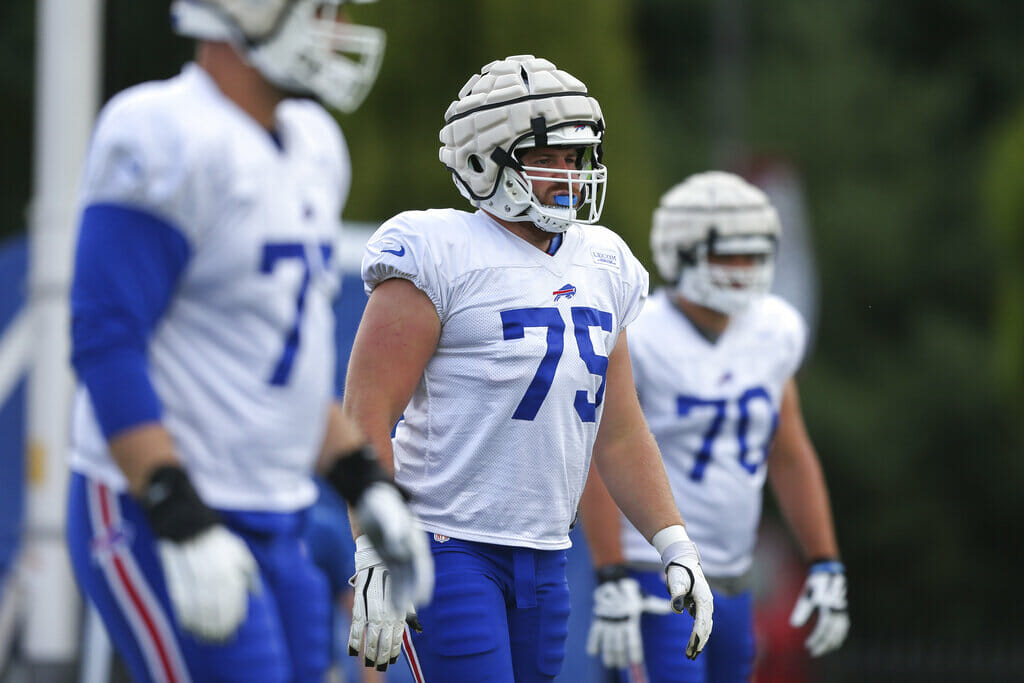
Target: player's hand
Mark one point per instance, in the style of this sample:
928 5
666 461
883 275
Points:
383 515
687 586
209 570
824 593
615 629
209 578
393 531
377 625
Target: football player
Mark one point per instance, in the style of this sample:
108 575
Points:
500 336
203 341
713 359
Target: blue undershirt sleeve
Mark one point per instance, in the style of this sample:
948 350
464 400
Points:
127 264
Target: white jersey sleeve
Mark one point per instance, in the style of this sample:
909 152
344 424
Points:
400 248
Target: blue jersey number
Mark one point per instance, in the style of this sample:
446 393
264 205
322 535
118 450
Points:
684 404
514 324
273 254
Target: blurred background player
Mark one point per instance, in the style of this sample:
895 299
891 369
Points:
203 340
713 358
500 335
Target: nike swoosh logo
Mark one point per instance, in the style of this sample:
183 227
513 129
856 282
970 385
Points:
397 252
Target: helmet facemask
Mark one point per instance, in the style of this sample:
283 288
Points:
315 52
580 198
728 288
307 49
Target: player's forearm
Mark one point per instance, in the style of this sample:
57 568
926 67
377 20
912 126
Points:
368 407
139 451
635 477
341 436
396 338
368 422
799 488
601 523
350 462
798 482
374 422
626 454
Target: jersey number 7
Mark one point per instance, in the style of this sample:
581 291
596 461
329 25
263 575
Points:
273 254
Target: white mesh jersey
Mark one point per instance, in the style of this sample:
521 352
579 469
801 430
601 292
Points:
713 409
243 358
497 438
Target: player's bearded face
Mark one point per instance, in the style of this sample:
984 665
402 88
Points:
559 160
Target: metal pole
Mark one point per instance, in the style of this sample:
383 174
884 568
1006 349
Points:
67 94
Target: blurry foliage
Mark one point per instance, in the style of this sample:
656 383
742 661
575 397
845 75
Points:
882 107
1004 192
139 44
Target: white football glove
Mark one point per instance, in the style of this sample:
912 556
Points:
209 578
824 592
377 626
393 531
687 586
615 629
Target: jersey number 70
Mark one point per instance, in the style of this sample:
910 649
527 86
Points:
685 404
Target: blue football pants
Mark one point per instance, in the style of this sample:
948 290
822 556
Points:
284 638
727 658
499 615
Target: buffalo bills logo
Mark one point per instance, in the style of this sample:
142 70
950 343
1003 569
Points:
566 291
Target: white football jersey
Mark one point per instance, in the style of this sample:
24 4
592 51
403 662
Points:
713 408
243 358
497 438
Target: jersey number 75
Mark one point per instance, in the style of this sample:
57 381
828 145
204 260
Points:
514 324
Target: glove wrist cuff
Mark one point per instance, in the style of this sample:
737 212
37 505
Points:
611 572
173 507
673 543
365 555
355 471
828 566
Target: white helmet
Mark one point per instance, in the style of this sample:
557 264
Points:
715 213
515 104
298 45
